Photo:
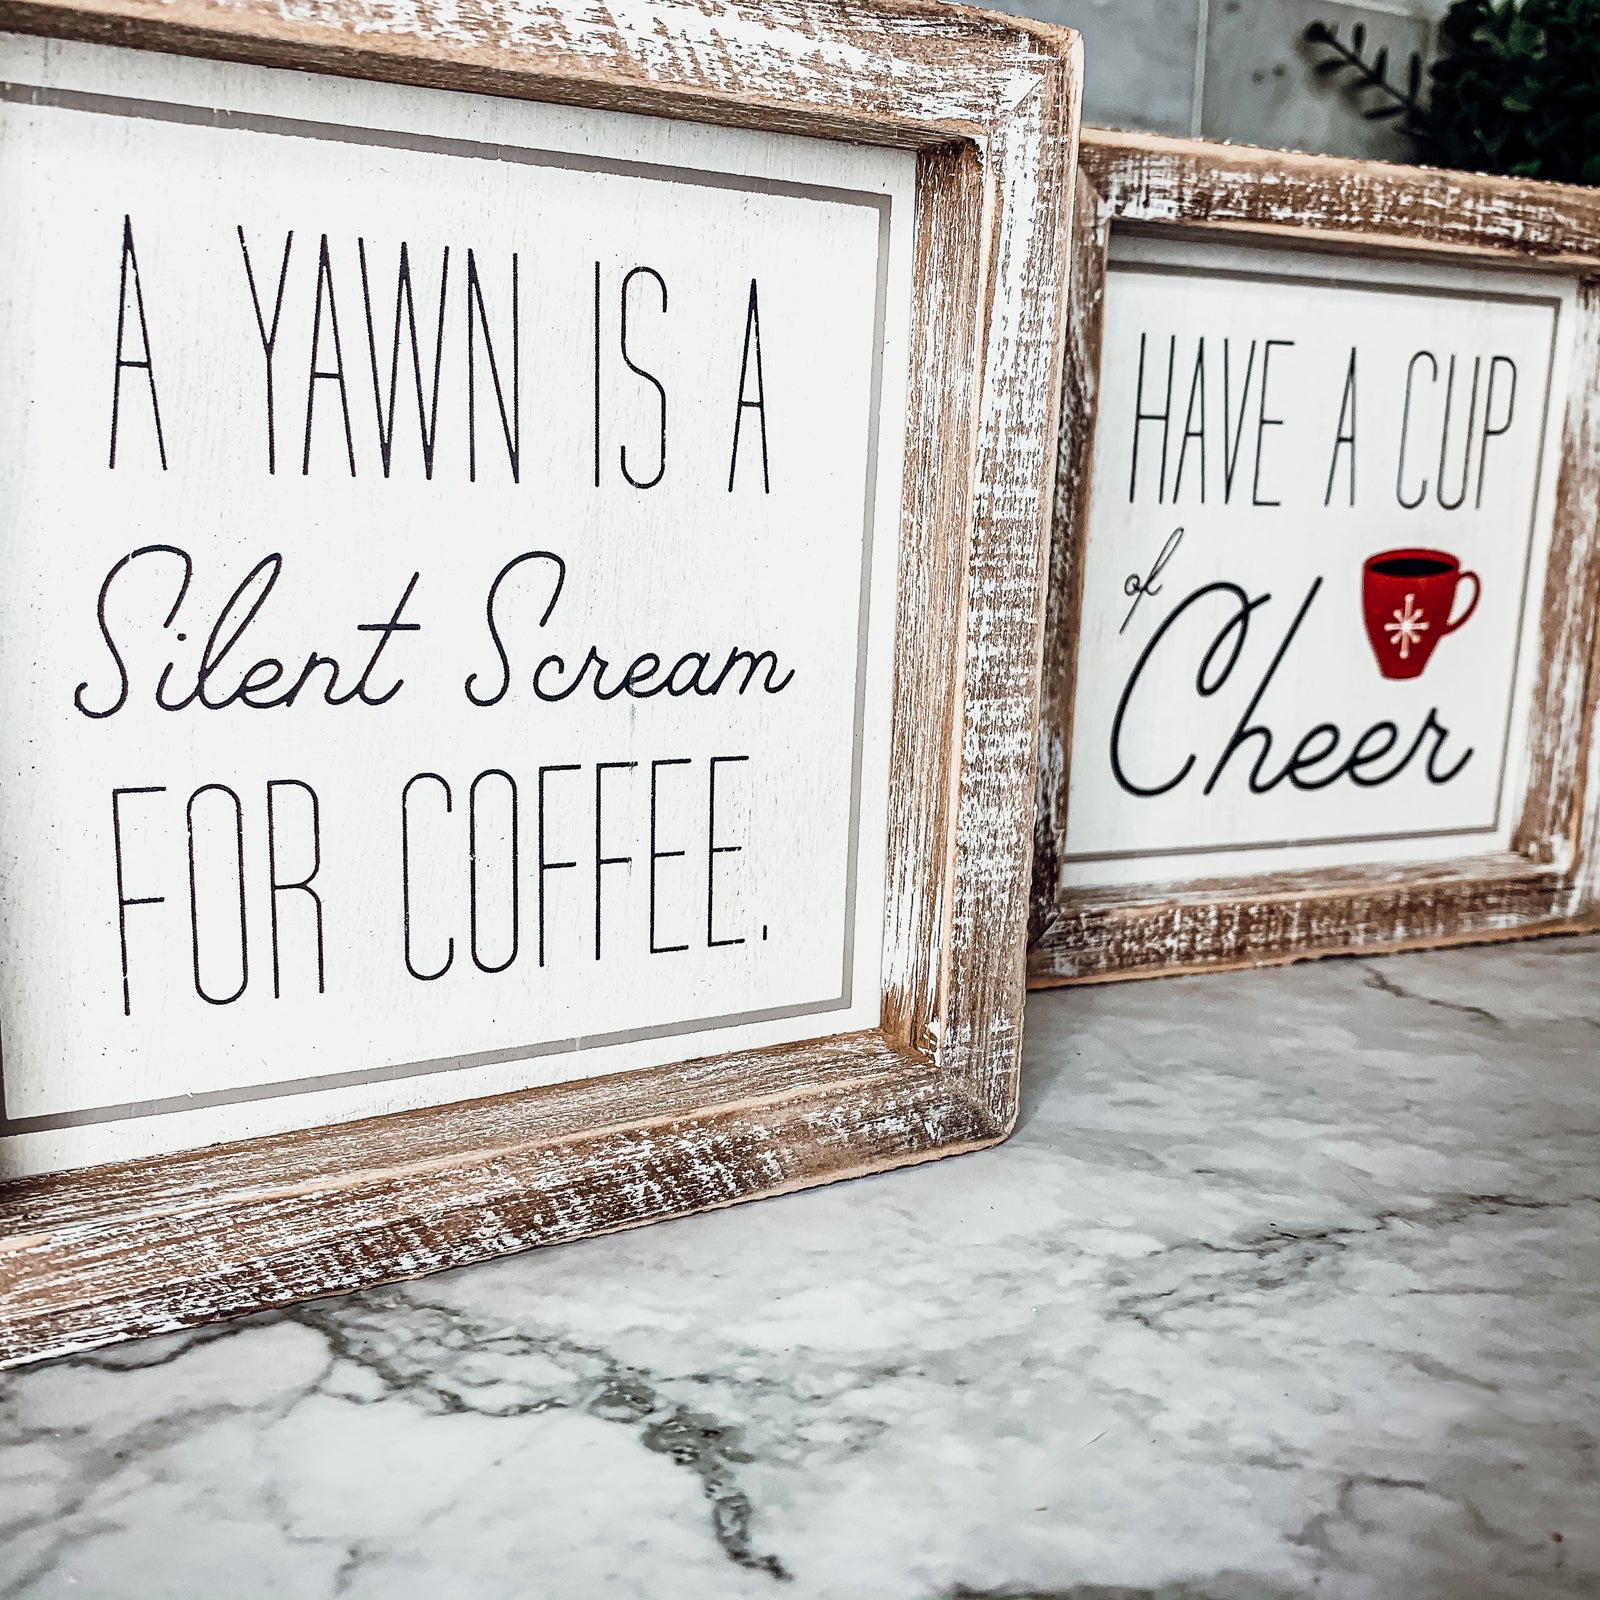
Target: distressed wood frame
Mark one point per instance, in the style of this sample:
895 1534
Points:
1549 881
990 106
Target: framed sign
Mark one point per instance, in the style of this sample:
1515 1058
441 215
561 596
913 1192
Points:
1320 652
488 511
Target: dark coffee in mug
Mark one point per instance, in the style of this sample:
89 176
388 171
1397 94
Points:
1410 566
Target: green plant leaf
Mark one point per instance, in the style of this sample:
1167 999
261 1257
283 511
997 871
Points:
1516 89
1524 38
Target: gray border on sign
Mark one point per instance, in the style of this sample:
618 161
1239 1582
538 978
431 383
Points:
1242 274
429 144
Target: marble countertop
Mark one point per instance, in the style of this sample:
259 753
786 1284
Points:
1287 1286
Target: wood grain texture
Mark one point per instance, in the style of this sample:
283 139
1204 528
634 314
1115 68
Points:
992 102
915 73
1032 173
1550 881
1372 205
1086 288
1551 823
200 1179
1098 935
167 1268
930 594
1580 504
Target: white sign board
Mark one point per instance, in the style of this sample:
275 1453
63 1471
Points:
1319 516
446 647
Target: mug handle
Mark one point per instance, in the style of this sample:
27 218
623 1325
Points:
1472 605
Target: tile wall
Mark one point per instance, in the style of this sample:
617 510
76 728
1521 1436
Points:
1236 69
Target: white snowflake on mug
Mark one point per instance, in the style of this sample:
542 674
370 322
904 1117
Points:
1407 628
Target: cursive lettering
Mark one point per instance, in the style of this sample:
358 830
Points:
644 677
1314 750
251 684
1138 587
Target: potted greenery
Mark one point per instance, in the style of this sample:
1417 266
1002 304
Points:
1516 87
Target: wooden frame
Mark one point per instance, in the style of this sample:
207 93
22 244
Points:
1549 881
990 106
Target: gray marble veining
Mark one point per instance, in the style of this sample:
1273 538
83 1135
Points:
1285 1288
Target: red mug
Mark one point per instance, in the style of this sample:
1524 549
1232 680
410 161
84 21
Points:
1407 597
